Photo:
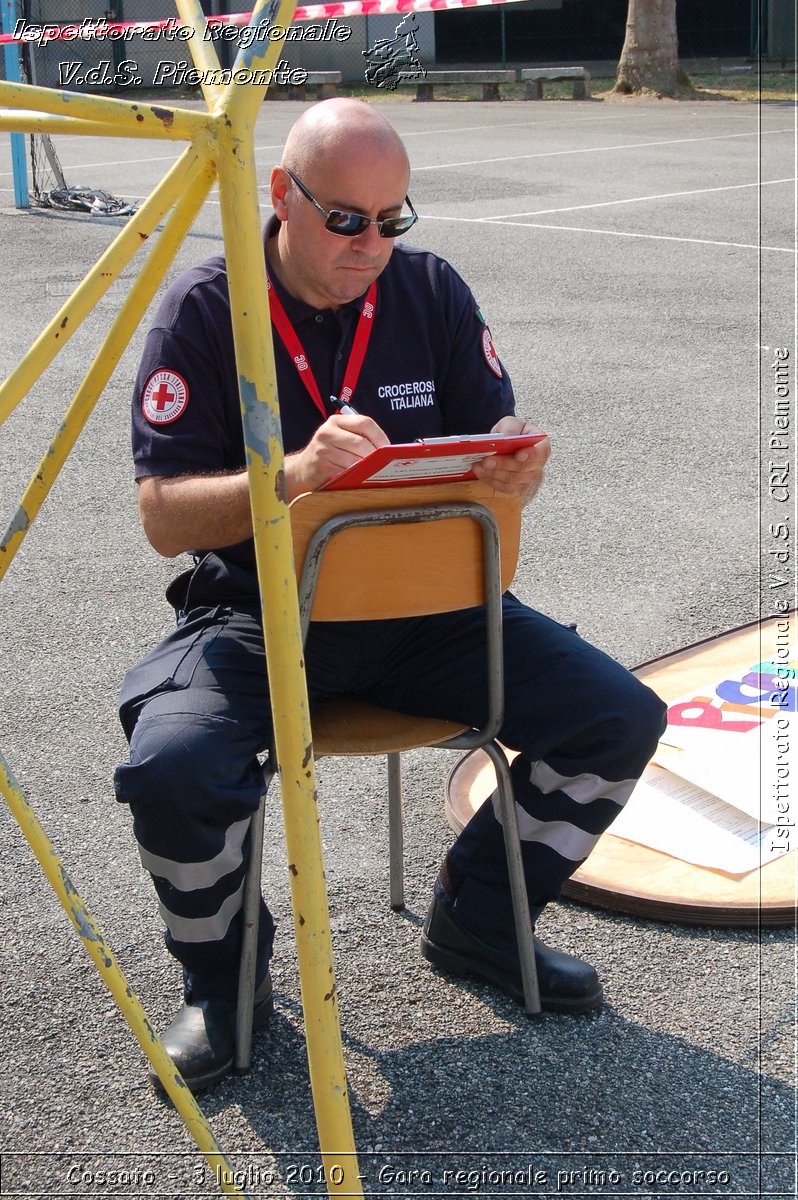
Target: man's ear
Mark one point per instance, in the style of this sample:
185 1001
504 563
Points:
278 187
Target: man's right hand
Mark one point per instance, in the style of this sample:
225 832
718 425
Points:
341 441
189 512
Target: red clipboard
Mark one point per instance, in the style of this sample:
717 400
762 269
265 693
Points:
429 460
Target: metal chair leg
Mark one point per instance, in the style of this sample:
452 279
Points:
396 831
512 846
250 916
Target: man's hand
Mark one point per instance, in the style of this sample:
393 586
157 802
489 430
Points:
189 512
520 473
341 441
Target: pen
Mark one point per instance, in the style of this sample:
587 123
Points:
343 407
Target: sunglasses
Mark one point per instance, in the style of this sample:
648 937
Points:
349 224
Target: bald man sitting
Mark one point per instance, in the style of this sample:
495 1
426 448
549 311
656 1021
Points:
376 342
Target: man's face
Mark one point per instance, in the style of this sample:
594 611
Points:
322 268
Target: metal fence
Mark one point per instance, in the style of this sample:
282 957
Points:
534 32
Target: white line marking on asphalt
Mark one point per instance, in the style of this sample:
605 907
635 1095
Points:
657 237
478 162
532 123
438 166
731 187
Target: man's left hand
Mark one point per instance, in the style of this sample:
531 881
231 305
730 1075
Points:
520 473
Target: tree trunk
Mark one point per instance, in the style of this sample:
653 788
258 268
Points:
650 56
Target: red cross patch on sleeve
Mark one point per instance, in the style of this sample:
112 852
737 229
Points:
489 350
164 398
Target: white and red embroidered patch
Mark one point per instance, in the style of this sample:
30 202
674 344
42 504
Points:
164 398
489 350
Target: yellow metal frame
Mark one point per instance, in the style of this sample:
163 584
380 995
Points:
220 146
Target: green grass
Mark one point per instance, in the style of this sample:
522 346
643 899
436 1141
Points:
749 85
743 85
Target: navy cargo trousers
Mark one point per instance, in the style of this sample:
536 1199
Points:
196 713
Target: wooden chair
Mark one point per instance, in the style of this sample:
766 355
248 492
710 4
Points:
395 552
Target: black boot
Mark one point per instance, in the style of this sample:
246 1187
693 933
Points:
201 1039
567 984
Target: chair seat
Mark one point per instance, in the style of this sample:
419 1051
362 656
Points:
345 726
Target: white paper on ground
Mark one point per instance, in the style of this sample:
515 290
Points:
670 814
740 768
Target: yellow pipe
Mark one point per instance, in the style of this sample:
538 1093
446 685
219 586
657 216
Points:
244 103
114 979
154 120
30 122
124 326
203 53
107 268
260 414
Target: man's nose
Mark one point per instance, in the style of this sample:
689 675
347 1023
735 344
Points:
368 242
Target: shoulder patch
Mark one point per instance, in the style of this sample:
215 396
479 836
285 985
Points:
164 398
489 350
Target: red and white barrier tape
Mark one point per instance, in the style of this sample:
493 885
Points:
95 28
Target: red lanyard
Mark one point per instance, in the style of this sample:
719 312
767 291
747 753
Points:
293 345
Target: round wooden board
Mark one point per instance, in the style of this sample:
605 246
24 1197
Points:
625 877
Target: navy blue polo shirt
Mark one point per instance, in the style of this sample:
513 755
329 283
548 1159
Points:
430 368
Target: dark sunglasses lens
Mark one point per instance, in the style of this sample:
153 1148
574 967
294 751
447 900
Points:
392 227
347 224
351 224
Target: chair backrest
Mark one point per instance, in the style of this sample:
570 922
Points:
412 551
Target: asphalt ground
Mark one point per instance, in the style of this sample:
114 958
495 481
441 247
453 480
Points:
636 278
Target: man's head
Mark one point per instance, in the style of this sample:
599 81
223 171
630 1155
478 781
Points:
349 157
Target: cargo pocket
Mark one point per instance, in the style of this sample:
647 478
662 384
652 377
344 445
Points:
172 664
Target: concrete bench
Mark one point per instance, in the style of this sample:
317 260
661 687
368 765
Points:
533 78
325 83
490 81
